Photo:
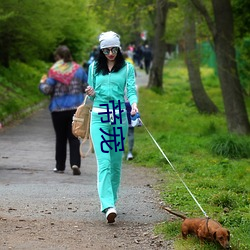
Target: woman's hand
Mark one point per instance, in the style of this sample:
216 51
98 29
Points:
90 91
134 109
43 79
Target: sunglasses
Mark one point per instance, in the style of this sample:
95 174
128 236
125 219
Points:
106 51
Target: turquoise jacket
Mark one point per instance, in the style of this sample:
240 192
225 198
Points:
111 87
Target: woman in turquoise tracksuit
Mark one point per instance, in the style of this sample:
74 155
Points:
108 77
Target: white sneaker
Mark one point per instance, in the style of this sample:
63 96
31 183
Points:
58 171
111 214
129 156
76 170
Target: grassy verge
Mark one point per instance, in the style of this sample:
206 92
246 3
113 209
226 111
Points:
213 164
19 89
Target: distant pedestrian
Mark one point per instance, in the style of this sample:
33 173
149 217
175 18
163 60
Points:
138 56
93 55
65 84
147 54
128 109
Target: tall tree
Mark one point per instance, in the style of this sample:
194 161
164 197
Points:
159 44
223 38
125 17
242 33
201 99
28 33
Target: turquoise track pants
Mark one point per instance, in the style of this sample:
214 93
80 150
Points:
109 163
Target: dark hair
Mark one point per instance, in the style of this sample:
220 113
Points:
64 53
102 67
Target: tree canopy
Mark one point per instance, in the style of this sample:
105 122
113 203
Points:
28 33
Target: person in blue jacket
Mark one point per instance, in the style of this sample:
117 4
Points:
108 77
65 83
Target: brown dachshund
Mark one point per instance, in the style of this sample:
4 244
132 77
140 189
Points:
204 229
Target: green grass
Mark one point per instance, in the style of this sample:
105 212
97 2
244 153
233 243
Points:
214 164
19 88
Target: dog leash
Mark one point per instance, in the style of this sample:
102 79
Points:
174 169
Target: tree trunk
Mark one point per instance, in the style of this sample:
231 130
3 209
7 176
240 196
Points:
223 38
235 109
159 47
201 99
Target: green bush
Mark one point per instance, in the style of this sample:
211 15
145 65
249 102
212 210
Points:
231 146
223 200
19 88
